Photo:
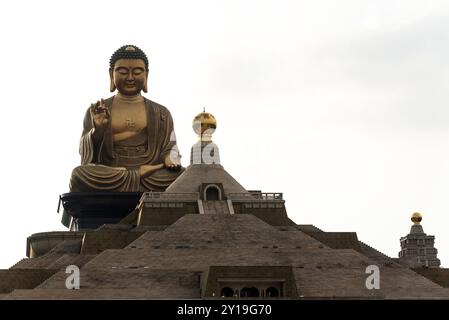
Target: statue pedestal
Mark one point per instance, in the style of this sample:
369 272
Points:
90 210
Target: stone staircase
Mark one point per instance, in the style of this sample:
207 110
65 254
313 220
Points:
215 207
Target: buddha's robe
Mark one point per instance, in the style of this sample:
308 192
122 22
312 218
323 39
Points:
114 165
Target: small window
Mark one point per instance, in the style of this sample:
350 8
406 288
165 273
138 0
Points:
272 292
227 292
251 292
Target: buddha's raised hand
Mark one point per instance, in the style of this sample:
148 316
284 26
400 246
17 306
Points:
100 114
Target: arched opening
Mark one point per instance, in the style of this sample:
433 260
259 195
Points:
212 193
272 292
227 292
252 292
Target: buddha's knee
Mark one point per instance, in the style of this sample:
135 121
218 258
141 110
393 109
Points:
75 180
76 171
80 176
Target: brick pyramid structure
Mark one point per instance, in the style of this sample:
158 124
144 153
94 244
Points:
207 237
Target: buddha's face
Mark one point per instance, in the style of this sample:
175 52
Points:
129 76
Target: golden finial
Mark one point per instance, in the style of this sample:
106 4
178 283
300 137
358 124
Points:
204 125
416 218
130 48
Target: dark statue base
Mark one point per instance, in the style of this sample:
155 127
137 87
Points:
90 210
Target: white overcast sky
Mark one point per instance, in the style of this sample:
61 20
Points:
340 105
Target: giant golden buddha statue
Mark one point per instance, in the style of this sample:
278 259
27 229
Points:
128 142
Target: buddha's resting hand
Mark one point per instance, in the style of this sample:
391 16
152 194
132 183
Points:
147 169
172 163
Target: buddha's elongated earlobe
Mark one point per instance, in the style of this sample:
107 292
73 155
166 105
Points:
145 84
112 87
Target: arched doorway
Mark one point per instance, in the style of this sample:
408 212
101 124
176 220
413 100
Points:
212 193
227 292
272 292
251 292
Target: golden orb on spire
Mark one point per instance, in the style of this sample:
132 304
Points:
204 125
416 218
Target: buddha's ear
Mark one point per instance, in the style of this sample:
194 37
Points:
111 79
145 84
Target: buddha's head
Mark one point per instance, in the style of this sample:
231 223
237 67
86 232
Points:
128 70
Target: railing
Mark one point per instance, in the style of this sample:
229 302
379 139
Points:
182 196
262 196
192 196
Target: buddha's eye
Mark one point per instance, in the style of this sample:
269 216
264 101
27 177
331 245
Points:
122 71
137 72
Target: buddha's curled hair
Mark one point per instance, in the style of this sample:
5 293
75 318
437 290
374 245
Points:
128 52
